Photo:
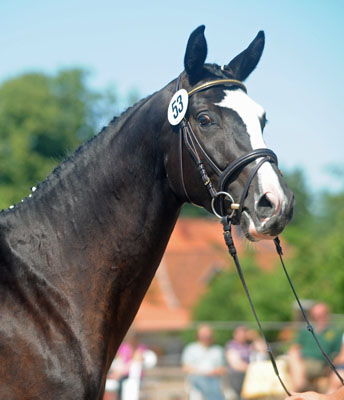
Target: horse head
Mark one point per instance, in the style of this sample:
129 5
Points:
221 138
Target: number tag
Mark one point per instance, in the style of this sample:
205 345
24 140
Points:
178 107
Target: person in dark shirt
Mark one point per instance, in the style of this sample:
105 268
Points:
306 360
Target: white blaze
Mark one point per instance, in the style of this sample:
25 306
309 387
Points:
250 113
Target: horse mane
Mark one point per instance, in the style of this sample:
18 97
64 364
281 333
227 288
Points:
218 71
115 123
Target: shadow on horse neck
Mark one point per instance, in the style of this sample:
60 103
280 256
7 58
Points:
78 255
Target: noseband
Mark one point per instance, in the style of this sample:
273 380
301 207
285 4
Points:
196 150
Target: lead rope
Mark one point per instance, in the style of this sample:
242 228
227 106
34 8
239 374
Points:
309 326
232 250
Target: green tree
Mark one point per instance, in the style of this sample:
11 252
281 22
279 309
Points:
42 118
303 199
317 265
303 220
225 298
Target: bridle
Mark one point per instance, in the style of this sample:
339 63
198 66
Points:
188 138
195 149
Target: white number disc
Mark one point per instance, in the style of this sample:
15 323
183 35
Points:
178 107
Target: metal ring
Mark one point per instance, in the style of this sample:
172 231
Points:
213 204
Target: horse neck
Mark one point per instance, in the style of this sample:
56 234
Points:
99 226
117 179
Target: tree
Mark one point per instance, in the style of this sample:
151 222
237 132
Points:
318 263
42 118
225 298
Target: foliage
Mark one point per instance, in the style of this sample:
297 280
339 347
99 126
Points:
191 211
225 299
42 118
297 182
303 217
318 252
317 265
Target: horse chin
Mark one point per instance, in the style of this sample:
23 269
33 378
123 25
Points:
250 230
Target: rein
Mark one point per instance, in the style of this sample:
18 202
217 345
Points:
218 196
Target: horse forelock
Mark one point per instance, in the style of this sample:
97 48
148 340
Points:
214 71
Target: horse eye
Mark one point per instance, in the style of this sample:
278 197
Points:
204 119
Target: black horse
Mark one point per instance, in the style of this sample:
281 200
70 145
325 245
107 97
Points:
77 256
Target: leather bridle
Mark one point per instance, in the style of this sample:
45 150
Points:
188 138
194 147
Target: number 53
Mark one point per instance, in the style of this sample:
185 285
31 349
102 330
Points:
177 106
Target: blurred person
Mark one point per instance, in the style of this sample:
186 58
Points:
238 352
258 346
247 346
204 362
129 354
305 359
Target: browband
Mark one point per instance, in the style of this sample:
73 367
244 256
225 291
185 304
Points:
223 82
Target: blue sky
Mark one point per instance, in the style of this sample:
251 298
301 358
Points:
141 44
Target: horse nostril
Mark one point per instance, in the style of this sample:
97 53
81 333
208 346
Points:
266 206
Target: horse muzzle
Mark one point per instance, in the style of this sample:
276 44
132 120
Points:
271 215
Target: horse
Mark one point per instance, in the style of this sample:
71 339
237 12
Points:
78 254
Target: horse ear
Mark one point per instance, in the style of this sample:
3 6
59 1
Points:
243 64
195 54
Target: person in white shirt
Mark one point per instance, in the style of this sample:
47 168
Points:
204 362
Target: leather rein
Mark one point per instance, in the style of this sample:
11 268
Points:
188 138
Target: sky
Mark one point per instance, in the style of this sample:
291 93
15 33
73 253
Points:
141 44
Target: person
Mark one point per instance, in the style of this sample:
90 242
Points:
306 360
204 362
238 352
130 353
